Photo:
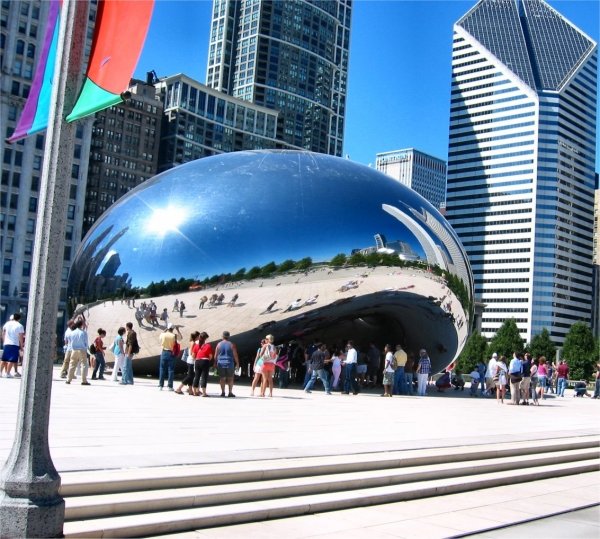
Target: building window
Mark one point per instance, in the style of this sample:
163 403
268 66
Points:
30 226
26 269
7 266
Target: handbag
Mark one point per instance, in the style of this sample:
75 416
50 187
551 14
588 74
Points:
515 378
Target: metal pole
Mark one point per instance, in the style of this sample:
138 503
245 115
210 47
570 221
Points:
30 504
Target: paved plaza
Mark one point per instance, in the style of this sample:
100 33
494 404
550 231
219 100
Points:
107 426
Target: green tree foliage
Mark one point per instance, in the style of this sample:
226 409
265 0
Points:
542 345
253 273
338 260
507 340
475 350
357 259
286 265
268 269
239 274
579 350
305 263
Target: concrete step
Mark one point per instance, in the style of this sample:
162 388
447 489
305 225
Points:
165 477
104 505
170 521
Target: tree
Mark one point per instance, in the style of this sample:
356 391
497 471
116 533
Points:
268 269
579 350
356 259
253 273
542 345
338 260
474 351
304 264
286 265
507 340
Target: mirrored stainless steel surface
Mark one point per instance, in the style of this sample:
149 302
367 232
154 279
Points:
279 226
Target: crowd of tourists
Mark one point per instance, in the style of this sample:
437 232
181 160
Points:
339 367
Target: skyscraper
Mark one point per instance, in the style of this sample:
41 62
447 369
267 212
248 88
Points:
291 56
421 172
521 163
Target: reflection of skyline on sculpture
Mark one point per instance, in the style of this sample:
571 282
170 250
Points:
294 213
219 215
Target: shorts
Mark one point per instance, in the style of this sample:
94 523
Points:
268 367
225 372
388 378
10 353
361 369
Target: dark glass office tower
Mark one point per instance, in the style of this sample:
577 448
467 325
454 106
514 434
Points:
287 55
521 163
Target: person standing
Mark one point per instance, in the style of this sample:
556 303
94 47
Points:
67 349
526 381
188 357
269 357
374 362
389 373
562 375
515 375
167 341
317 367
500 372
13 339
336 367
118 350
131 347
597 382
490 374
79 345
399 374
202 353
350 369
542 374
481 369
423 372
99 353
409 377
227 360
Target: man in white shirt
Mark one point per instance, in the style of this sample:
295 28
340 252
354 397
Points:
13 339
67 349
489 375
351 362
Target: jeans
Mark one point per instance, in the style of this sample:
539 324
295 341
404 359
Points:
127 376
597 389
322 374
399 383
408 382
167 365
422 384
100 364
350 378
561 385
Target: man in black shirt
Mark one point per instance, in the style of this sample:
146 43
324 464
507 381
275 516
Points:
317 366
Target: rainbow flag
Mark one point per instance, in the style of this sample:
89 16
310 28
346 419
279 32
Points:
34 117
121 28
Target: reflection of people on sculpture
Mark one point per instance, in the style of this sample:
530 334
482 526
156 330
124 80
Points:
139 316
203 300
294 305
181 309
268 309
176 306
233 300
312 300
164 316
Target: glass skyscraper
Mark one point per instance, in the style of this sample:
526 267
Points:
291 56
521 163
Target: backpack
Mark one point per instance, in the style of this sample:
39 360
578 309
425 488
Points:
135 347
176 349
394 362
92 349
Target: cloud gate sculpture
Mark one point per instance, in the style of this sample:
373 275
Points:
300 245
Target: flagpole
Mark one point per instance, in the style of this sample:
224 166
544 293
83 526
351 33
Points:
30 503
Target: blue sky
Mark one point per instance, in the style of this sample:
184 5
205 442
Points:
399 76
